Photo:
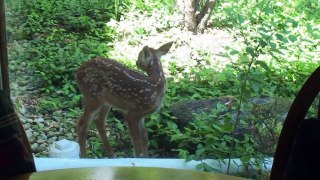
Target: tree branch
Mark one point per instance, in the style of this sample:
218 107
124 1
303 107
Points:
205 14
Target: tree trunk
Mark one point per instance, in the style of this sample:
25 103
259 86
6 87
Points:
204 15
190 15
195 17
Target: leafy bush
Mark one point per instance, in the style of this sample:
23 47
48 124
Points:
270 63
61 36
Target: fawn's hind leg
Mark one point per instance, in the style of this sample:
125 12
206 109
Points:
100 123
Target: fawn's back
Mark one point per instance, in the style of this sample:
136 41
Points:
107 81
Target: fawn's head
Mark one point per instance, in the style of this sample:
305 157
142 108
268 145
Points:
149 56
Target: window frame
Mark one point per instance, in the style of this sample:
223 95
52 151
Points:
4 71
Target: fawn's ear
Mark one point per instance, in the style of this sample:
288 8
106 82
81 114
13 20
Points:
162 50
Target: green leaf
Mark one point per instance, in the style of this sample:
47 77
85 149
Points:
228 138
262 43
120 127
96 146
184 154
200 152
176 137
255 86
292 38
208 168
281 38
250 50
241 19
234 52
273 45
293 22
216 127
309 28
263 65
203 90
211 136
268 10
200 166
228 127
172 125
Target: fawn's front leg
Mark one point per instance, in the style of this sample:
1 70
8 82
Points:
144 138
134 130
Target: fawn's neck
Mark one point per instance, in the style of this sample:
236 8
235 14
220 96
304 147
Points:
156 72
